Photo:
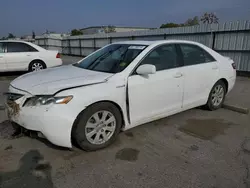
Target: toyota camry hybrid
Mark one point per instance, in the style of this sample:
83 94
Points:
120 86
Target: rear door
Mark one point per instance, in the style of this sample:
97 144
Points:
200 74
2 57
19 55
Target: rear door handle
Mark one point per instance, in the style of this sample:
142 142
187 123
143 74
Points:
1 56
28 54
178 75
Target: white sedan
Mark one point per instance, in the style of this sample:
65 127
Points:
118 87
25 56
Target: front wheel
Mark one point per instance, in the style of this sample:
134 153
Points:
217 96
97 126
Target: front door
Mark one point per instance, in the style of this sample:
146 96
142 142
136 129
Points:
156 95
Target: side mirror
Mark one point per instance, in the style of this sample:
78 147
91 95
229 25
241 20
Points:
146 69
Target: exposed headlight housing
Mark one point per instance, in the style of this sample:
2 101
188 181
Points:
46 100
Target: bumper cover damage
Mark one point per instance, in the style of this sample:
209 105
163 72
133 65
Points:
53 122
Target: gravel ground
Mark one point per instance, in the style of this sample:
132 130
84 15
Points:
196 148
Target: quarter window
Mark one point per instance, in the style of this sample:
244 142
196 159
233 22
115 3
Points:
163 57
193 55
19 47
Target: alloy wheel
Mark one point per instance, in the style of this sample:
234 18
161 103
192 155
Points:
100 127
36 67
217 95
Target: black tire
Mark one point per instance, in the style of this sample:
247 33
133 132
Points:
38 62
210 105
78 132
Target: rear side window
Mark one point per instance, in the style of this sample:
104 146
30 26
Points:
193 55
1 47
19 47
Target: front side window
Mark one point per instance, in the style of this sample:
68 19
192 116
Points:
163 57
19 47
193 55
112 59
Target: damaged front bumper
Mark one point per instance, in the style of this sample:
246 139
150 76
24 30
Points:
54 122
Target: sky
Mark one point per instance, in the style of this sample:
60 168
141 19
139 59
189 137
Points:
21 17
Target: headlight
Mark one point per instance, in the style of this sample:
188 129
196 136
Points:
46 100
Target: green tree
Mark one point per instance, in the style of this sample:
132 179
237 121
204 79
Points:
11 36
189 22
110 29
209 18
169 25
76 32
192 21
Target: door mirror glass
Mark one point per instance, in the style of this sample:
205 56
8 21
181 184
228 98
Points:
146 69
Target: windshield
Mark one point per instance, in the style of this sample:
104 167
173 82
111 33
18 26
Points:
112 59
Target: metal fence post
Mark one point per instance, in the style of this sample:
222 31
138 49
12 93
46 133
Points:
132 37
110 40
213 40
165 36
94 44
45 43
69 47
80 46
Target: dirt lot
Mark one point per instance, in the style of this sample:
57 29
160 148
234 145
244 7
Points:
196 148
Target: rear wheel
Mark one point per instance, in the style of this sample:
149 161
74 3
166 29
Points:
98 126
36 66
216 96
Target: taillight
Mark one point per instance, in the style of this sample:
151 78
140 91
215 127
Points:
58 55
234 65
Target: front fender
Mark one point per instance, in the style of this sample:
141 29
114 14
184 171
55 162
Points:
88 95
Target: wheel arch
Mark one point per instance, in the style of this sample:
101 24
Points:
37 60
224 80
79 115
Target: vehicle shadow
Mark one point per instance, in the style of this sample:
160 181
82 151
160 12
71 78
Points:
8 131
50 145
13 73
33 172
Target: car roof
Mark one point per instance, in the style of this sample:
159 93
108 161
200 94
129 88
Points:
148 43
14 41
29 43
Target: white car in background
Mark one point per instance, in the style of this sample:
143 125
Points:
25 56
118 87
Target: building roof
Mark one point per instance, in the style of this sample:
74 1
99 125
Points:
91 27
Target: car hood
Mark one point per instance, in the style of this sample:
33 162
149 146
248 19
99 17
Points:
52 80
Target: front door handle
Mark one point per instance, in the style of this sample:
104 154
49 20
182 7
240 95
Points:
1 56
178 75
28 54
